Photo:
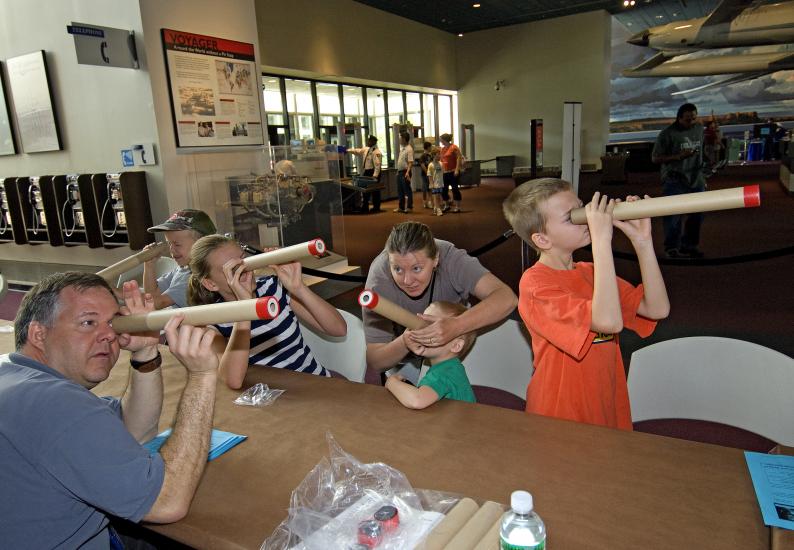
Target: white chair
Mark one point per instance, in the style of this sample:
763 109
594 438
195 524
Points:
164 265
722 380
500 358
346 355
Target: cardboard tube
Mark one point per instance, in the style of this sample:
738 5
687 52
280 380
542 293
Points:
707 201
385 308
226 312
490 540
285 255
111 273
449 526
474 529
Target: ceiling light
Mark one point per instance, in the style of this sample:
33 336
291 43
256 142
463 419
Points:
475 5
460 34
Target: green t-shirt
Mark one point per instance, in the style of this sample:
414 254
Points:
448 379
671 141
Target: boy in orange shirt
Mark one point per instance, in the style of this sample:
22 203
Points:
575 310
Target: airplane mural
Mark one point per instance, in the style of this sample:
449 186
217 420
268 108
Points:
732 24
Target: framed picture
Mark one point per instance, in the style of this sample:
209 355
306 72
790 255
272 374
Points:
35 114
215 90
7 144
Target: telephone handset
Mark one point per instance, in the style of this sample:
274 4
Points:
38 219
74 204
116 202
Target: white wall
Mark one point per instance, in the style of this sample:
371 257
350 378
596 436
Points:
543 64
100 110
342 38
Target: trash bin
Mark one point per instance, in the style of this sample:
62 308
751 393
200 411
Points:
505 165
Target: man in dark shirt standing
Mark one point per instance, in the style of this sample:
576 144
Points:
679 149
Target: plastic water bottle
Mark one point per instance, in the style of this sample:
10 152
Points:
522 529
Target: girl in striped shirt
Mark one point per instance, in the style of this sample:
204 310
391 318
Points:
218 275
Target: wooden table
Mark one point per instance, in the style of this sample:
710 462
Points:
594 487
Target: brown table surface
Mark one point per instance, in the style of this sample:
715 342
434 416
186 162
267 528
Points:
594 487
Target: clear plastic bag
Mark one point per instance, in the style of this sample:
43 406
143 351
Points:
336 503
258 395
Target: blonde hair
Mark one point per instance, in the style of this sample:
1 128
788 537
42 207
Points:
523 207
451 309
197 293
407 237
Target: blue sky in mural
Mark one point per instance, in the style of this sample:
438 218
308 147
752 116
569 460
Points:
640 98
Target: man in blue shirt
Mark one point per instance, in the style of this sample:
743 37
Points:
71 459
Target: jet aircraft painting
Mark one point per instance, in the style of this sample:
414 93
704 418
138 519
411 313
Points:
732 24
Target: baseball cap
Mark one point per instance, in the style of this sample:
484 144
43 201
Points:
197 220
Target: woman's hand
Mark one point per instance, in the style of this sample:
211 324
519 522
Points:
413 346
440 331
290 275
638 231
240 281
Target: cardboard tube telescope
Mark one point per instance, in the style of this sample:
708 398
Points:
226 312
285 255
722 199
111 273
388 309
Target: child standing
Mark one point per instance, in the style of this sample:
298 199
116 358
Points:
447 376
424 163
435 173
575 310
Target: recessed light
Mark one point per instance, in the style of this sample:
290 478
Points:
460 34
475 5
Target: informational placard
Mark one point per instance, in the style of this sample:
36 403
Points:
215 88
36 123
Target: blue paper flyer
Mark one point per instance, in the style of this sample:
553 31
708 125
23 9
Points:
220 442
773 479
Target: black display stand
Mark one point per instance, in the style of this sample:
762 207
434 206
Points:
11 230
37 210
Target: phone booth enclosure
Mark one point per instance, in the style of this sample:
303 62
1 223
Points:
11 228
76 209
122 206
37 212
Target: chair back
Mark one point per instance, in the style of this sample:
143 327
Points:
346 355
714 379
501 358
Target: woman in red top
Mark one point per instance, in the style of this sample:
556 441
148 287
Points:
452 160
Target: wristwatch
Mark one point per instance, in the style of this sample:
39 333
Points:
147 366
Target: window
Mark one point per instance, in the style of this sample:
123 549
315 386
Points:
429 119
413 113
330 111
444 115
300 108
376 112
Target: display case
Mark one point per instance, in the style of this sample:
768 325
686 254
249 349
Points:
296 197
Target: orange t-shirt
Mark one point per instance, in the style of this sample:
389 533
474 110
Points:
449 157
579 373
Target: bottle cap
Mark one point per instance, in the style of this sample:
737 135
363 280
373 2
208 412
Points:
521 502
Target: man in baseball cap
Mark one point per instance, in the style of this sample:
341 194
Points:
181 229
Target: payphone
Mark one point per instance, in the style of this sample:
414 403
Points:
39 217
122 203
6 230
74 201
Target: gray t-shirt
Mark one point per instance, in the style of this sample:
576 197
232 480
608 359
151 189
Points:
456 276
174 285
67 462
671 141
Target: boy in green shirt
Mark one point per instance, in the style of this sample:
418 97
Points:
447 376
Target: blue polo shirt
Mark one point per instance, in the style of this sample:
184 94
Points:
67 461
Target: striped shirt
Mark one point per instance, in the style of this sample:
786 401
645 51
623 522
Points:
278 343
